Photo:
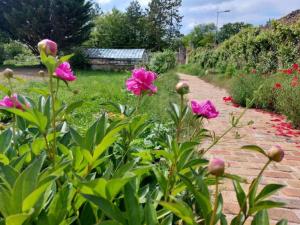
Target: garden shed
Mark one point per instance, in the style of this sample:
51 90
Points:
116 59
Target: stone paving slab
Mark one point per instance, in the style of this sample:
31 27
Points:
248 164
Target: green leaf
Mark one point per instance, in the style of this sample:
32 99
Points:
282 222
266 205
108 208
132 205
26 183
254 148
268 190
65 58
180 209
30 201
240 195
114 186
74 105
3 159
17 219
57 209
261 218
150 213
238 220
107 141
31 115
8 175
5 140
202 201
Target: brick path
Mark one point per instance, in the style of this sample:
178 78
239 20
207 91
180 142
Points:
248 164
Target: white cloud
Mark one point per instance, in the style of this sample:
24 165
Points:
104 1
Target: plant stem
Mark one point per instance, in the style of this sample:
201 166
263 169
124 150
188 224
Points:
178 129
53 118
212 219
251 188
14 116
226 131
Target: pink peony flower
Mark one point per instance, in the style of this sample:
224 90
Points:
50 47
11 102
64 72
205 109
141 82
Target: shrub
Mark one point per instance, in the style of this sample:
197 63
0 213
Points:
161 62
243 87
266 49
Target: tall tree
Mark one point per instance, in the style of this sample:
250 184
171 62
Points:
135 21
110 31
68 22
173 20
156 24
203 35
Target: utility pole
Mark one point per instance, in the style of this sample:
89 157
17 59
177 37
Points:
217 25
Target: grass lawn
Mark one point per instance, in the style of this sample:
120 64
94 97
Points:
96 87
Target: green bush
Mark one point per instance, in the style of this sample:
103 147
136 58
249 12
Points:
161 62
243 87
263 49
287 101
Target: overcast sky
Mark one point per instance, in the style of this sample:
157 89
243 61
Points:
204 11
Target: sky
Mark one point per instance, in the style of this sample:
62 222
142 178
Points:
256 12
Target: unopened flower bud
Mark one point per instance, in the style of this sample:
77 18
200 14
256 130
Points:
216 167
8 73
276 153
182 88
48 46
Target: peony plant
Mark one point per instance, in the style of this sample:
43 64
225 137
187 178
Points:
52 174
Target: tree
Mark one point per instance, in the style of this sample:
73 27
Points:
110 31
203 35
230 29
173 20
68 22
135 22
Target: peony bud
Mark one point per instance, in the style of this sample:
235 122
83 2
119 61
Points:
216 167
48 46
182 88
276 153
8 73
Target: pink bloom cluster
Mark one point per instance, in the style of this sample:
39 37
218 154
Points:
204 109
11 102
141 82
64 72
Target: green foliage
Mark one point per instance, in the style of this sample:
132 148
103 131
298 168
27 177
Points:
69 21
203 35
53 173
265 50
161 62
230 29
80 60
156 28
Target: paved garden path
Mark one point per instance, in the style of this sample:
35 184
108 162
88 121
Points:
268 129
